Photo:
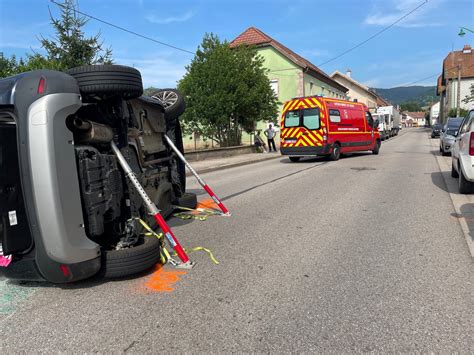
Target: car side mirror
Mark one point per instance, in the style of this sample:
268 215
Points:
376 123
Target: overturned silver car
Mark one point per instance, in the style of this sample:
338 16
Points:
67 212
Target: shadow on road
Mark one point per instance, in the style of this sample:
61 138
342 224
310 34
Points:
274 180
438 180
467 213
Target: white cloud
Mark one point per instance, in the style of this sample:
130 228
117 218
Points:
315 52
372 83
158 71
171 19
396 9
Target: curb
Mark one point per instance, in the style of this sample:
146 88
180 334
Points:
456 199
232 165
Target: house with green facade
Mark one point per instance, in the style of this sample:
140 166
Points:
290 74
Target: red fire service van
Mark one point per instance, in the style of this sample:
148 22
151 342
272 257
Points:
317 125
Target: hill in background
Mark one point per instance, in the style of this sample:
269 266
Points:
422 95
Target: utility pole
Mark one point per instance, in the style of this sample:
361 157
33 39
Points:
458 103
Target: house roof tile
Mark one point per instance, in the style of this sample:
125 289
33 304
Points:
464 59
254 36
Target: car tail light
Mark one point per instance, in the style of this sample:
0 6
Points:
65 270
325 130
41 86
471 144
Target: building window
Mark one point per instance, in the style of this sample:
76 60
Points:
274 86
311 84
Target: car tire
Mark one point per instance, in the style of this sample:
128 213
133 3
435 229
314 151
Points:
335 153
440 149
131 261
108 80
465 186
173 102
454 173
376 149
294 159
188 200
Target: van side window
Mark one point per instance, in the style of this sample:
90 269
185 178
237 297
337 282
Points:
292 118
334 116
311 118
370 120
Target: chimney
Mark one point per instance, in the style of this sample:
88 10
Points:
467 49
348 73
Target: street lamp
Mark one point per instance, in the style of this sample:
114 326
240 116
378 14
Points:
462 33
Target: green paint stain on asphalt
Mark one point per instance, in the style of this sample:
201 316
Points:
11 295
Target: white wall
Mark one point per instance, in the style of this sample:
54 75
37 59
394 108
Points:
465 90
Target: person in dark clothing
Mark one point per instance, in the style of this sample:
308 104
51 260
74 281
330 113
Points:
270 133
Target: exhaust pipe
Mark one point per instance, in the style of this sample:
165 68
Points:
91 132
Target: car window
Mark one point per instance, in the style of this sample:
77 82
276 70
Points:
465 124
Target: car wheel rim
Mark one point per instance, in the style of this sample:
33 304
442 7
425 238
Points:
167 98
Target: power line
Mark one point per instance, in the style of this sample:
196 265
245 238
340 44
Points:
431 76
374 35
123 29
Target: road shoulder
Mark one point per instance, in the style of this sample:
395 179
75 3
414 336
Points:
463 204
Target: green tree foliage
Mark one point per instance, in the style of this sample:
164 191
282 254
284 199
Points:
453 112
226 90
411 107
8 66
469 97
69 48
150 90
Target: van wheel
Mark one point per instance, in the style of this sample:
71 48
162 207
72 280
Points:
336 152
465 186
376 149
454 173
294 159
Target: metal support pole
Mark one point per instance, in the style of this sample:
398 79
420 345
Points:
199 179
152 209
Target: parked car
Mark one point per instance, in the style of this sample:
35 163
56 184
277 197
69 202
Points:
436 130
316 125
448 134
462 155
67 210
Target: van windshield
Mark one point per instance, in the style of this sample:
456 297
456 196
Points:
308 117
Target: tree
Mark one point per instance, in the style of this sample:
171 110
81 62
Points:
226 90
453 112
469 97
410 106
8 66
70 47
149 90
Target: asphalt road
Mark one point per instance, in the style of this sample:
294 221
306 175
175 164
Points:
364 254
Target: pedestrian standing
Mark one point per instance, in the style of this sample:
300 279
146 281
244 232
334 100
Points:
270 133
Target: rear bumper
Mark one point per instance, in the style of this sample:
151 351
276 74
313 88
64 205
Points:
305 151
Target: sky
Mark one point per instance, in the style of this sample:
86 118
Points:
318 30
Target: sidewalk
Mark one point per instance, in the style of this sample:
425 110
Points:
206 166
463 204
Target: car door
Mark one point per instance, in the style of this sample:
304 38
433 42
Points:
461 143
369 132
